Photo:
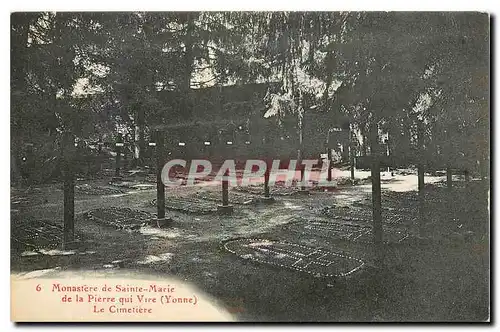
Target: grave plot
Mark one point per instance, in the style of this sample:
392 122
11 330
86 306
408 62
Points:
403 202
189 205
121 218
319 263
389 215
396 206
408 202
346 181
251 189
347 213
17 201
151 178
234 198
339 182
399 217
279 189
87 189
133 185
399 196
345 230
36 235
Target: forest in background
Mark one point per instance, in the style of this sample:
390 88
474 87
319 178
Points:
417 80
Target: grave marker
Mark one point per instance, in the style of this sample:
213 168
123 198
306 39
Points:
160 187
225 208
317 262
118 149
69 189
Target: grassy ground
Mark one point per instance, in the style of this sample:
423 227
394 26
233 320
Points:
441 277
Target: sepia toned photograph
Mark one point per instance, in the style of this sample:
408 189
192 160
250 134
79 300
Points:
239 166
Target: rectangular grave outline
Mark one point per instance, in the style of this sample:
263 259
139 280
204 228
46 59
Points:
292 267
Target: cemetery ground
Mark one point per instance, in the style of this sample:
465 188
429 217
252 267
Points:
437 270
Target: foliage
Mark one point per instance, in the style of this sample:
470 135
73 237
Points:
95 73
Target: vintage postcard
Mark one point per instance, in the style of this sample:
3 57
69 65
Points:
250 166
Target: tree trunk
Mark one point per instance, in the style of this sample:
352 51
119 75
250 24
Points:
69 190
483 168
449 181
365 140
421 161
329 156
139 146
118 157
20 23
15 174
484 171
467 176
352 166
351 153
160 187
300 154
376 193
421 178
266 183
225 189
267 149
188 59
185 87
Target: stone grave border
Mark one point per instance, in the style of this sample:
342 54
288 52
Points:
90 216
252 200
252 190
326 214
182 210
111 191
226 242
52 245
298 229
